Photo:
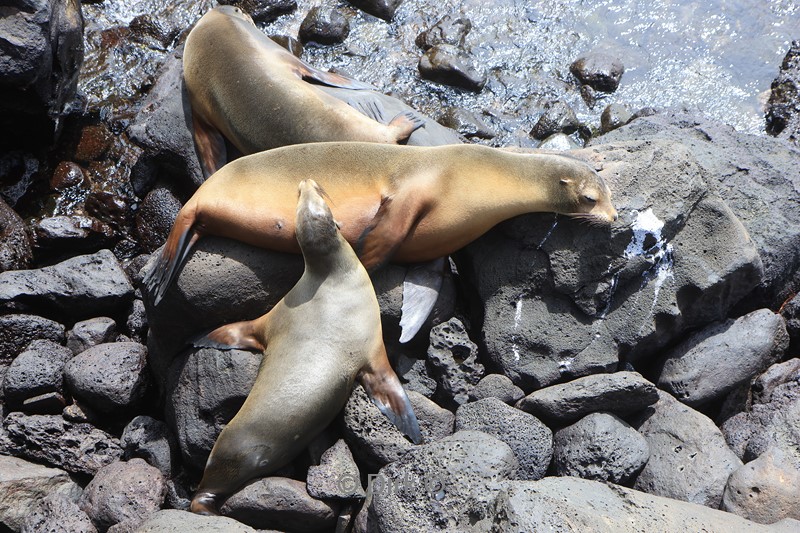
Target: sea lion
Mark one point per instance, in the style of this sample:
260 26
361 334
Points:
320 338
248 89
407 203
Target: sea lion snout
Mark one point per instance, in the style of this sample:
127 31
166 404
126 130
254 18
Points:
316 228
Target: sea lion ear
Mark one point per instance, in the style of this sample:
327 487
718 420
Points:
565 181
338 225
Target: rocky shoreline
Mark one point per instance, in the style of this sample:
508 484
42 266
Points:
638 377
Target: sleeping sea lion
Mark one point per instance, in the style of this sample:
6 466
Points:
407 203
317 341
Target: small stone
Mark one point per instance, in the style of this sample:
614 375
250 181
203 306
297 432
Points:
765 490
51 403
598 70
466 123
324 26
530 440
137 322
23 485
77 233
444 63
559 117
155 217
67 174
109 207
123 491
92 332
447 30
109 377
337 475
783 112
95 141
453 361
383 9
18 330
151 440
613 117
497 386
434 422
55 514
280 503
621 393
37 370
559 142
602 447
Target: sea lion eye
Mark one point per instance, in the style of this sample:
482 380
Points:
590 199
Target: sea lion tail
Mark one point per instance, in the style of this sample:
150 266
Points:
180 241
385 390
404 124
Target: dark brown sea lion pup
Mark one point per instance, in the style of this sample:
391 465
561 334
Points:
254 93
320 338
407 203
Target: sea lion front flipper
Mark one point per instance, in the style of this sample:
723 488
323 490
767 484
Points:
210 146
367 103
384 388
311 75
404 124
395 219
420 292
246 335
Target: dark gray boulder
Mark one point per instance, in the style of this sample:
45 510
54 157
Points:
755 176
772 419
529 439
155 217
451 483
598 70
556 299
111 377
74 447
16 251
39 66
38 370
790 312
81 287
444 63
384 9
206 388
558 117
764 490
497 386
151 440
600 446
336 476
574 504
175 521
689 458
324 26
56 513
280 503
18 330
453 363
122 492
613 117
88 333
716 360
783 107
23 485
70 234
621 393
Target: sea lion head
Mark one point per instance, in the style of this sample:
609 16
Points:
317 231
233 12
583 194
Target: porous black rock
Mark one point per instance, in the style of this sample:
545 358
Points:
122 492
155 217
74 447
324 26
56 513
111 378
558 117
497 386
18 330
446 64
714 361
336 476
91 332
598 70
529 439
621 393
151 440
783 107
280 503
453 362
16 251
38 370
600 446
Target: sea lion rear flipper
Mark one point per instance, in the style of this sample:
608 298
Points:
420 292
246 335
210 146
385 390
396 217
311 75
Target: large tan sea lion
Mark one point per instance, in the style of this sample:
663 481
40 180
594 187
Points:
254 93
320 338
405 203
